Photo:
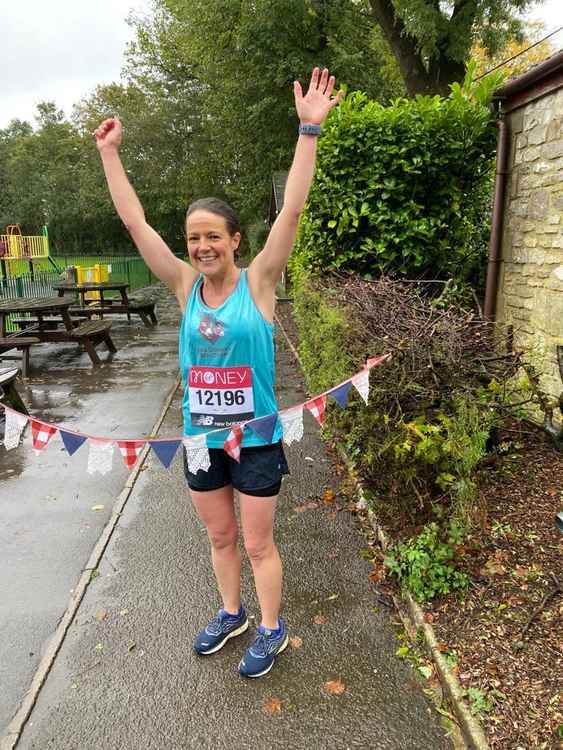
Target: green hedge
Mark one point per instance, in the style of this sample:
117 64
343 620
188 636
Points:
402 189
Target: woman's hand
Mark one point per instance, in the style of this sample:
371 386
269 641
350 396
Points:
109 134
317 102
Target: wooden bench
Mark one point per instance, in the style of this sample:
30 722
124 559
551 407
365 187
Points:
22 344
144 309
8 391
30 324
92 333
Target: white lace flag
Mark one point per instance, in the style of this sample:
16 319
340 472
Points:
292 424
197 453
15 425
100 456
361 383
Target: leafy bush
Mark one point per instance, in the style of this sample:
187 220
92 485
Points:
402 189
425 564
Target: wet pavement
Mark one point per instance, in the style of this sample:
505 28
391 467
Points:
126 676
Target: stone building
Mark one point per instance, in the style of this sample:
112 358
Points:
525 285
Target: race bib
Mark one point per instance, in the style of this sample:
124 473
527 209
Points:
220 396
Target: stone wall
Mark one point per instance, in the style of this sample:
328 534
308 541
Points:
530 294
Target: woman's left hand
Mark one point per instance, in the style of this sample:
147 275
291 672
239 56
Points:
318 101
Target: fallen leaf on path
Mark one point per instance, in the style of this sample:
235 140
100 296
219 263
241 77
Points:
272 706
98 507
332 597
296 641
102 615
428 617
311 505
334 687
328 496
320 619
132 645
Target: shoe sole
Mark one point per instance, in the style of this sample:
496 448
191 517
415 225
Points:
232 634
281 648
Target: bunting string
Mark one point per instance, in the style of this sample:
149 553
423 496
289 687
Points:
101 449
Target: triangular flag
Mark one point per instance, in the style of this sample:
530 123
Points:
15 425
317 408
197 453
233 441
340 394
41 434
165 450
361 383
292 424
72 442
100 456
264 427
130 450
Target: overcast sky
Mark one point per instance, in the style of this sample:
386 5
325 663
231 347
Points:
59 50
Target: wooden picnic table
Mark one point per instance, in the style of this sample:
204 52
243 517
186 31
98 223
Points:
8 391
107 306
44 327
101 287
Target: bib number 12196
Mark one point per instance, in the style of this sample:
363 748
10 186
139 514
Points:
220 396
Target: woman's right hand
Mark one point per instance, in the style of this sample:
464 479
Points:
109 134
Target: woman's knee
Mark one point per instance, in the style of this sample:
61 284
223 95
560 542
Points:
259 549
222 538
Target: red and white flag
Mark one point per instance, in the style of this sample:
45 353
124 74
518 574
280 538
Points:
41 434
232 443
317 408
130 450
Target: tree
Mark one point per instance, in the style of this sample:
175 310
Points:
239 85
524 58
432 39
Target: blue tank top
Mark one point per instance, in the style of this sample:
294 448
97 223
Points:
227 364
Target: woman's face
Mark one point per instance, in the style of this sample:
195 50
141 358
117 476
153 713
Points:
211 247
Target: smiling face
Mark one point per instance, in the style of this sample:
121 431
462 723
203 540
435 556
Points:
211 247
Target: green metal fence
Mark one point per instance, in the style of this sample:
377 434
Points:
21 283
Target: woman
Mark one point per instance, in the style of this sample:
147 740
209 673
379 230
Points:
227 363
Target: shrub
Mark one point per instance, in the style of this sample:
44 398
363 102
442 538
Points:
402 189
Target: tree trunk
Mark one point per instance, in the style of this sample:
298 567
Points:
419 79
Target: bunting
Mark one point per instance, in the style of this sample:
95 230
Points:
100 456
13 430
165 450
232 443
317 408
130 450
197 453
41 433
292 424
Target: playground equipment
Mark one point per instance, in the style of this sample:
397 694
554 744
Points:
14 246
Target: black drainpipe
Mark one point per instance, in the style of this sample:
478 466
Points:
495 242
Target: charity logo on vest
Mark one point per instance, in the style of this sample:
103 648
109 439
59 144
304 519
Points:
220 396
211 328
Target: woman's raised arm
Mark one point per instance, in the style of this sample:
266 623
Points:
312 109
159 258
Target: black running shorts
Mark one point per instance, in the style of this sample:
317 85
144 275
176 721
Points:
259 472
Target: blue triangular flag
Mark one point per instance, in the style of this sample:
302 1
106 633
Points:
165 450
264 427
71 441
340 394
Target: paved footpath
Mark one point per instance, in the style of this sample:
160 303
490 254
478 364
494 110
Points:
126 676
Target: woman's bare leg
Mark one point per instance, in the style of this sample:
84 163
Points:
216 510
257 518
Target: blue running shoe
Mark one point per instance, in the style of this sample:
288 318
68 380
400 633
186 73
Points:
260 657
218 631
